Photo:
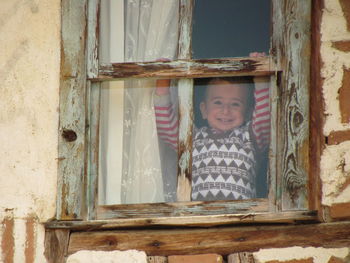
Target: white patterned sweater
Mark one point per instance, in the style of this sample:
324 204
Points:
223 164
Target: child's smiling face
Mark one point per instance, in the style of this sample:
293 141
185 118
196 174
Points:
225 105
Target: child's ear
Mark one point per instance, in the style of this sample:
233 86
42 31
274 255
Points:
203 108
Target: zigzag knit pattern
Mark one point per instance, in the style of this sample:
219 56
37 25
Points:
223 165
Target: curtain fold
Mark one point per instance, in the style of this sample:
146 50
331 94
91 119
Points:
150 33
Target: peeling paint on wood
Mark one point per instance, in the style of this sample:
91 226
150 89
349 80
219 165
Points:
291 46
71 149
182 209
185 91
184 179
184 68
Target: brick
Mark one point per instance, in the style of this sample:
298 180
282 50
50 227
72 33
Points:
344 95
204 258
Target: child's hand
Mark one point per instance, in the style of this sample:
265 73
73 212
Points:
257 54
162 85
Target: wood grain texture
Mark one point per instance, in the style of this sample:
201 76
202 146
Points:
93 37
72 126
186 68
189 221
182 209
222 241
56 245
291 49
317 117
93 142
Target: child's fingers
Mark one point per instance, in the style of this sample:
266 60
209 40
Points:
163 59
257 54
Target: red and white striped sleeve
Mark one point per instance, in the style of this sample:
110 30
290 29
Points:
261 115
166 120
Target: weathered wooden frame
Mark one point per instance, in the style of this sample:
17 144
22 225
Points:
288 66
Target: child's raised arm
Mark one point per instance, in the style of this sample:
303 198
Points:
166 117
261 115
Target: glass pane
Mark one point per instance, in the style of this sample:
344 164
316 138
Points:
136 31
230 28
231 139
139 131
134 165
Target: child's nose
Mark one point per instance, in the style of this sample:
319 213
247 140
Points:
227 108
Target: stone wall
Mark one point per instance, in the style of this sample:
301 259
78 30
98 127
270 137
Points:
29 73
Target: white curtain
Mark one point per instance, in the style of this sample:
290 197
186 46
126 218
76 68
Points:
150 33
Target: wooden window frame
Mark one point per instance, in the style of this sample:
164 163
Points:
289 67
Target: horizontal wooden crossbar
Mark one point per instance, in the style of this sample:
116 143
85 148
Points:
188 68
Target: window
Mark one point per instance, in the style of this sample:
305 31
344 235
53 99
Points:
287 66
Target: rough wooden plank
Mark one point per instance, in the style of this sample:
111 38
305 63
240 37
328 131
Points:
184 177
244 257
93 139
181 209
71 143
185 93
317 142
56 245
273 151
222 241
185 29
336 137
291 48
186 68
93 37
187 221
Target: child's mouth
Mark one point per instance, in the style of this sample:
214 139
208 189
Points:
226 121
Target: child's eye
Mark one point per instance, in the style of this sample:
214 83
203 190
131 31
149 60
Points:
217 102
235 104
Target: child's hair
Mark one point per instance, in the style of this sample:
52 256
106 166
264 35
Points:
201 91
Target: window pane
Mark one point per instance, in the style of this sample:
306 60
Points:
135 31
134 165
139 131
232 119
230 28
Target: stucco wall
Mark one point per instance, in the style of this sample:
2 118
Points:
29 74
